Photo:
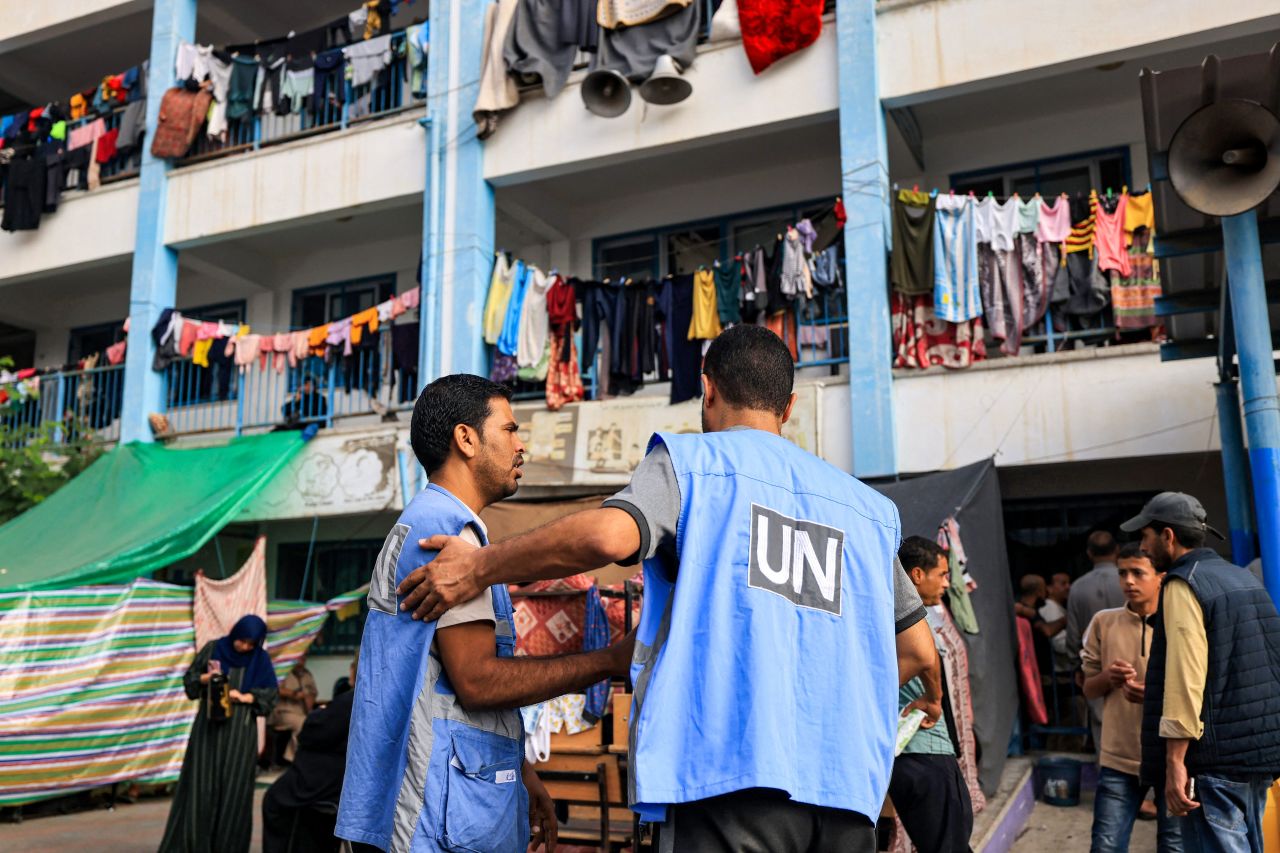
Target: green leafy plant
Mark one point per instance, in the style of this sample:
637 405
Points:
36 461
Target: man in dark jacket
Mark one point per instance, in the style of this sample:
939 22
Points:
1211 709
299 810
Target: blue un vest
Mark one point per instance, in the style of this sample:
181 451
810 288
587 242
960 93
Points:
770 661
423 773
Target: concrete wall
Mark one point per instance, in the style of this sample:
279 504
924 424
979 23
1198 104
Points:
1089 405
23 22
348 173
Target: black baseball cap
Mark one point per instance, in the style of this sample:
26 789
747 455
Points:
1172 508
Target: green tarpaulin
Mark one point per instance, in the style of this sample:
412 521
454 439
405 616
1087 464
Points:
137 509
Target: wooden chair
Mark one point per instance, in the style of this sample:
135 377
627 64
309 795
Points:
594 781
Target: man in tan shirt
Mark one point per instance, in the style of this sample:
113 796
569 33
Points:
297 697
1114 662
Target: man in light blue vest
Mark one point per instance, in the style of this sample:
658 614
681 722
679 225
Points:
435 759
775 632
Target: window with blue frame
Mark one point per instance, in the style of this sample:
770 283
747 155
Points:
326 303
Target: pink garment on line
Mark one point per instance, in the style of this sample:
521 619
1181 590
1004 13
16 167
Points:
340 333
115 353
1108 238
190 329
301 347
409 299
1055 222
86 134
282 345
244 348
219 604
207 331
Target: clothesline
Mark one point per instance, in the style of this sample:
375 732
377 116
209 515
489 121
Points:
1080 194
717 241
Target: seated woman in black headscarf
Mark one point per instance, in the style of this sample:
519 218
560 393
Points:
234 680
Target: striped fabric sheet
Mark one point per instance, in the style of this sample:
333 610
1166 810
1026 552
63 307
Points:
91 682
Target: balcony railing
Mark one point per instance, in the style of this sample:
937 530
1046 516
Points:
222 397
72 406
335 106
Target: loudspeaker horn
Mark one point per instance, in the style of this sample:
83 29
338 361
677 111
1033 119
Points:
606 93
665 86
1224 158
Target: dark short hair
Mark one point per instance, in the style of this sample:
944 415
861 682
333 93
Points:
1132 551
460 398
1030 582
1100 544
1188 537
916 552
752 369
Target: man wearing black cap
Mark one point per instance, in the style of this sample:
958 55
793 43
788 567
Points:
1211 712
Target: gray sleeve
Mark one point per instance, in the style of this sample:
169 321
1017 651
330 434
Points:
908 609
652 498
1075 630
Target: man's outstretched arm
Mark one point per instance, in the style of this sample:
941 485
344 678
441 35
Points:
484 681
576 543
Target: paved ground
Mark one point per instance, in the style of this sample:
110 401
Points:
1064 830
129 829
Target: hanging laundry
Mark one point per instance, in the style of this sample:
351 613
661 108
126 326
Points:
301 348
808 235
316 339
218 604
241 88
995 223
705 323
328 84
495 305
340 335
181 114
416 39
773 29
165 334
612 14
1084 219
962 582
675 304
922 340
187 338
1140 212
956 295
1109 234
498 91
362 320
220 80
283 346
243 349
1055 221
1039 267
564 380
1079 288
826 269
796 278
1000 282
296 88
1133 296
1028 215
729 292
509 340
911 261
634 52
367 58
532 49
86 134
784 325
409 299
115 352
534 325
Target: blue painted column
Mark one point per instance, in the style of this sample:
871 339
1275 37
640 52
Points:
1258 382
864 167
1235 472
458 209
154 283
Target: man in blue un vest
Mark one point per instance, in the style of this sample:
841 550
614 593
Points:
435 759
775 632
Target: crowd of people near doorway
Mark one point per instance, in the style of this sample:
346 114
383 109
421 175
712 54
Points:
1174 654
967 270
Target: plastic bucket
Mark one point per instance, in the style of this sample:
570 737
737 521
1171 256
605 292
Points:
1059 781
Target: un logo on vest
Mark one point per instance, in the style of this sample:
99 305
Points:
798 560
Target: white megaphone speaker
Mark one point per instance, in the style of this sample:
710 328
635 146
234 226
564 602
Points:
606 93
665 86
1224 159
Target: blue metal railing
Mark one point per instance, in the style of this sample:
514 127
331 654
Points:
225 397
72 406
335 105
